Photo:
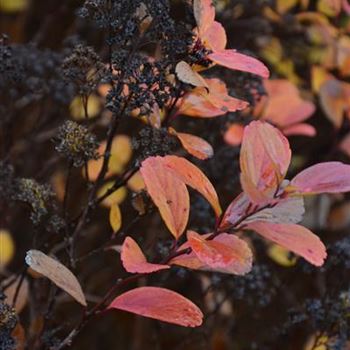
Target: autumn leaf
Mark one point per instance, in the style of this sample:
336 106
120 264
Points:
328 177
115 217
231 247
209 104
241 211
295 238
264 160
168 193
193 177
187 75
281 92
194 145
234 134
212 253
160 304
7 248
134 260
57 273
334 98
204 14
234 60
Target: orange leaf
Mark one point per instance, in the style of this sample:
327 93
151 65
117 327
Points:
234 60
168 193
134 261
295 238
193 177
194 145
234 134
264 160
160 304
216 102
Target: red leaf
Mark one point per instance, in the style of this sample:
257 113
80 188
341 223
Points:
168 193
233 60
160 304
234 249
193 177
328 177
295 238
134 261
264 160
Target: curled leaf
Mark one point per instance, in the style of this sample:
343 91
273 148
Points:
160 304
57 273
134 260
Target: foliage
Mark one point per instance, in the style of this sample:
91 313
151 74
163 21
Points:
149 167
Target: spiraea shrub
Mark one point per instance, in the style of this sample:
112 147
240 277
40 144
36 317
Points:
174 174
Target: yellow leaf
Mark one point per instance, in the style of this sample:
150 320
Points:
13 5
93 107
115 217
284 6
330 8
136 182
117 197
317 342
281 256
7 248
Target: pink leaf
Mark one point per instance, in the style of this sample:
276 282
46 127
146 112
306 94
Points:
193 177
134 261
235 247
214 37
295 238
168 193
204 14
300 129
264 160
233 60
240 212
160 304
328 177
